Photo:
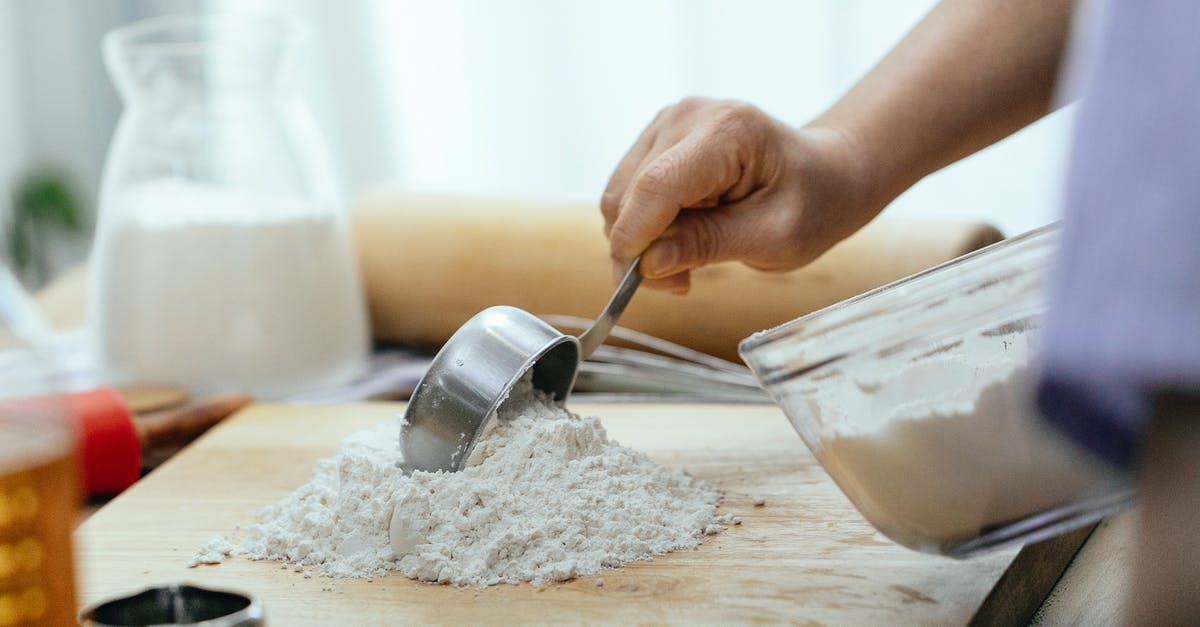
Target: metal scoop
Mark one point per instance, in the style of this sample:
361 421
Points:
476 369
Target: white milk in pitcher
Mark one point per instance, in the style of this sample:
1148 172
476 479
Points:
225 290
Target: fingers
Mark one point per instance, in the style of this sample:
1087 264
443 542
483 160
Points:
699 238
706 156
678 283
741 232
688 174
614 192
668 127
647 144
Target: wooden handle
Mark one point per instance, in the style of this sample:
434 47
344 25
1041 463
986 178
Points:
143 398
184 424
430 263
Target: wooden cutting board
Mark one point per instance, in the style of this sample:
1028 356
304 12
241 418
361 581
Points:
806 556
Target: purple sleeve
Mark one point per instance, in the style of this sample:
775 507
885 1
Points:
1124 317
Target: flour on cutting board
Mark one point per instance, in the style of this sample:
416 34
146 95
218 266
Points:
549 498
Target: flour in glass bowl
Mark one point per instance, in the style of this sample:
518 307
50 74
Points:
949 449
549 498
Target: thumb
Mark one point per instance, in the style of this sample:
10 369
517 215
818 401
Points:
697 238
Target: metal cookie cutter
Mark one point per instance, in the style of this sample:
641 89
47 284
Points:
178 604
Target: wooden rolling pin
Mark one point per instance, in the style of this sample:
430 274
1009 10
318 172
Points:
429 263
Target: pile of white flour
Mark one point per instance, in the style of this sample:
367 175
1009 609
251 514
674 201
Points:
550 498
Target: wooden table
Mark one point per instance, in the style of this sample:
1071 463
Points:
806 556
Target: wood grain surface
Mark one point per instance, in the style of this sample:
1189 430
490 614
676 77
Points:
805 557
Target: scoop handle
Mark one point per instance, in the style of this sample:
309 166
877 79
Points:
592 338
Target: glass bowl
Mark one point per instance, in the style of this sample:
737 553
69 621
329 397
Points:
916 398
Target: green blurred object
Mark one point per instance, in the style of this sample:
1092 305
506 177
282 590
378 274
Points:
43 203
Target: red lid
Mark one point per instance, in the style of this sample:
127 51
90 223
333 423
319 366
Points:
110 456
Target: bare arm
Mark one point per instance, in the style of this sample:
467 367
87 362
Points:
969 74
718 181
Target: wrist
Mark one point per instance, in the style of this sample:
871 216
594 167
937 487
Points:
858 172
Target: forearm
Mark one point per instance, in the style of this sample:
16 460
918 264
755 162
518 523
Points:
969 74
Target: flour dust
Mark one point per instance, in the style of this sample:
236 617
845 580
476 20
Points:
549 498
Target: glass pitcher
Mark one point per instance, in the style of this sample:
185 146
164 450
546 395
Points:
222 260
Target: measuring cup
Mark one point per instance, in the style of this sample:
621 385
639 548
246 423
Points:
476 369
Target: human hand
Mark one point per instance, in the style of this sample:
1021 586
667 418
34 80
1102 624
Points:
712 181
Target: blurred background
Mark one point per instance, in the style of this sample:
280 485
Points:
524 98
